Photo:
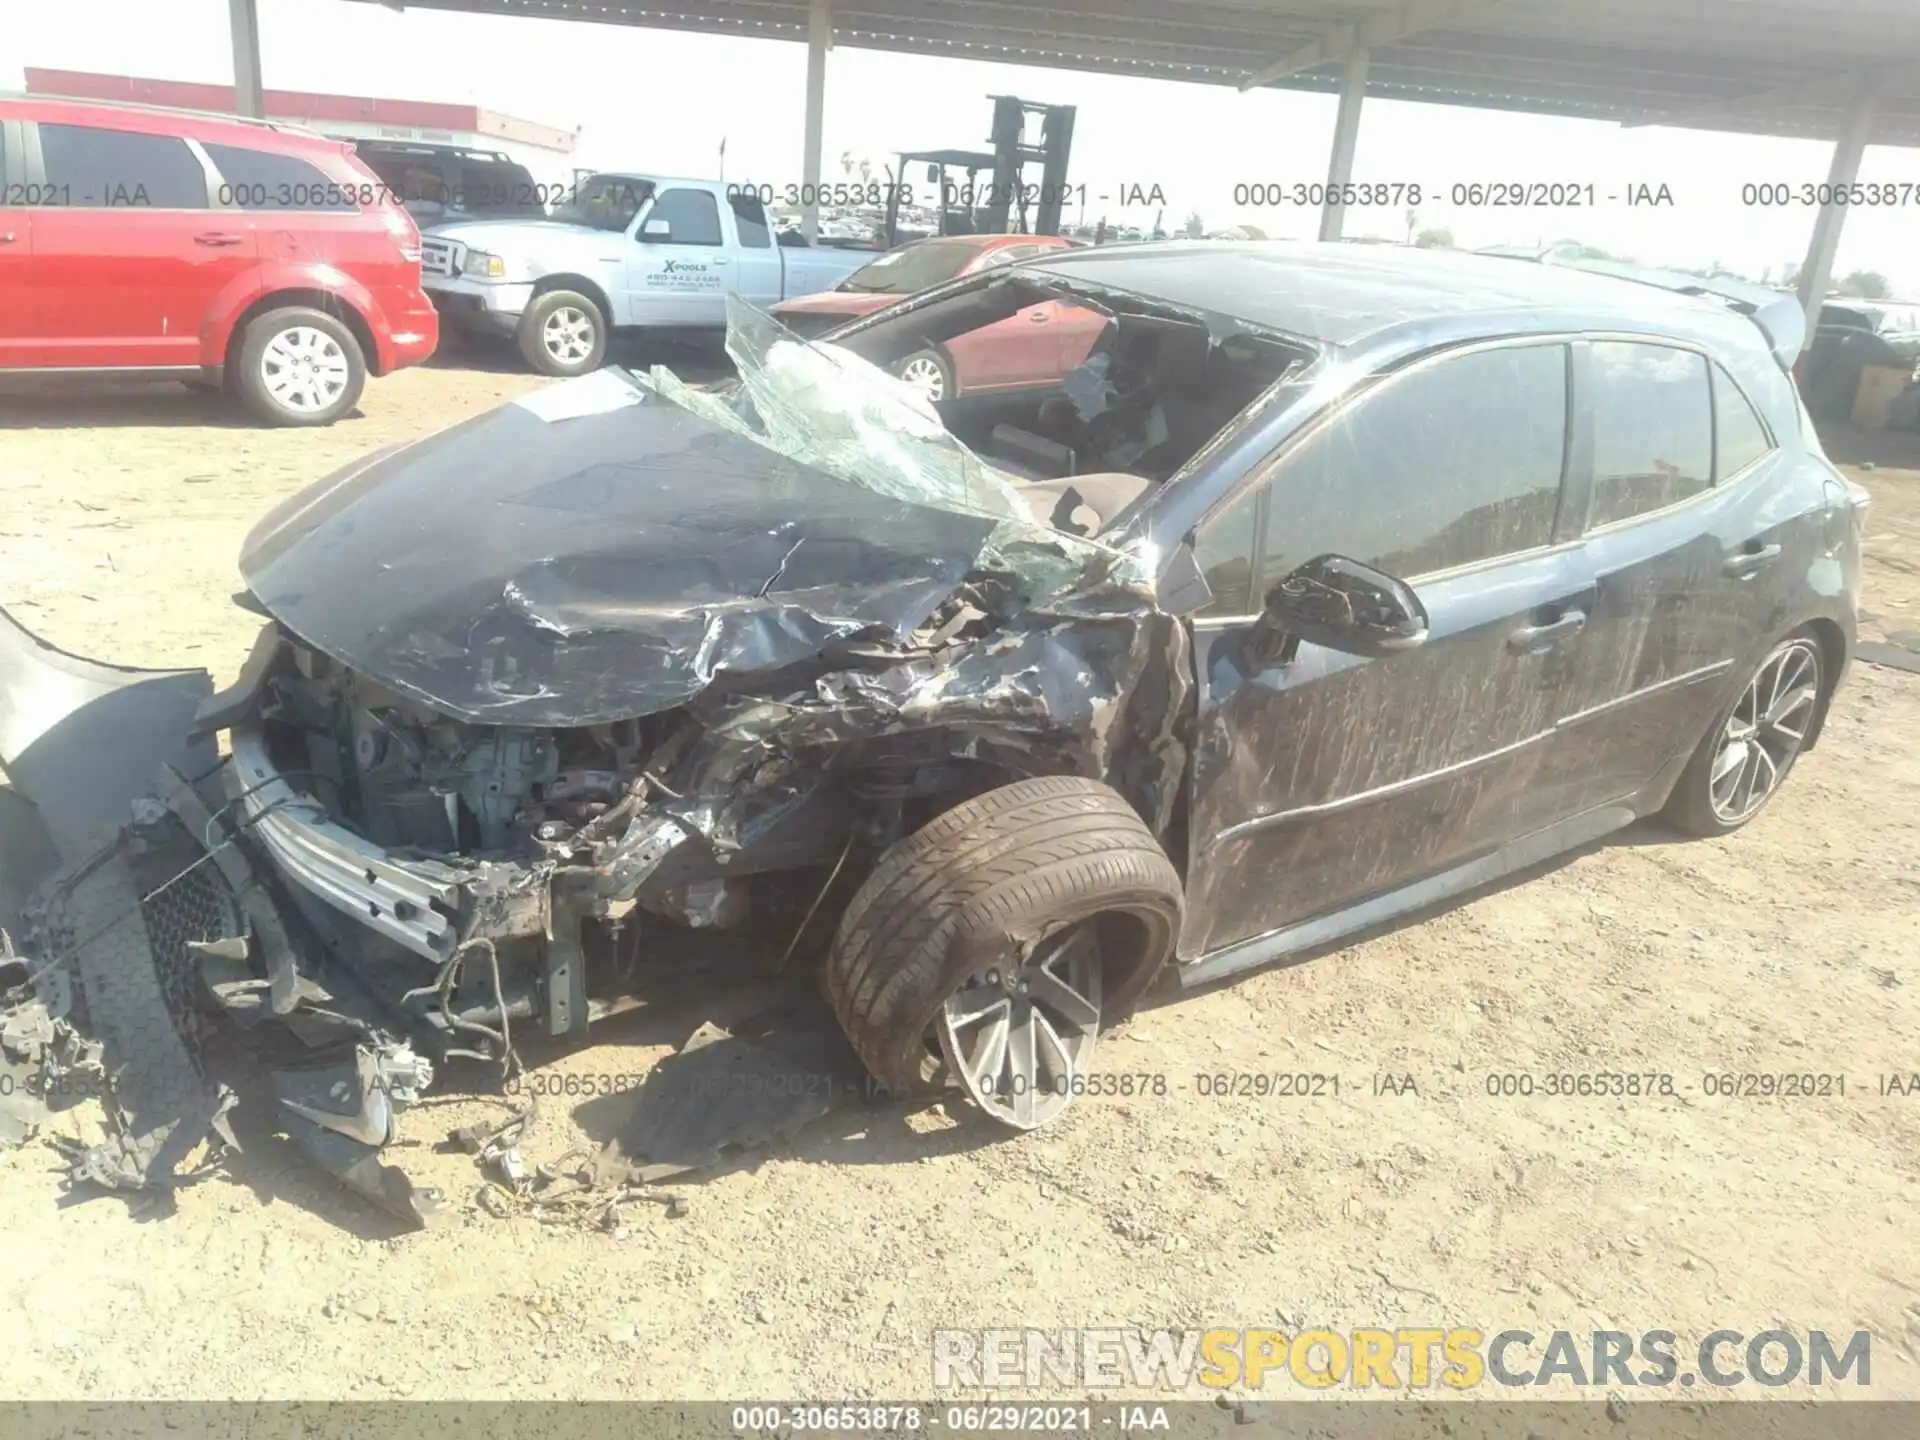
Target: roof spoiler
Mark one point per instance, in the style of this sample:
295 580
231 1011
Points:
1778 313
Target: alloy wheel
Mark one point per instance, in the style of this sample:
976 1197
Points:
304 369
568 335
1019 1036
1765 731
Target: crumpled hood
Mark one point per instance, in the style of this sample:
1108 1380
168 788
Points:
593 552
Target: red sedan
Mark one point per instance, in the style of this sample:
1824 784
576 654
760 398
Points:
1035 346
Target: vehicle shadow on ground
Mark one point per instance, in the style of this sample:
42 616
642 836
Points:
695 361
59 403
780 1019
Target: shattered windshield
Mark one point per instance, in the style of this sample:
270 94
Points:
826 407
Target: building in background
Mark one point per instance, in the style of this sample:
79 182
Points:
545 150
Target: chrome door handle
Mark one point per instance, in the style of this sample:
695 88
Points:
216 237
1750 560
1538 637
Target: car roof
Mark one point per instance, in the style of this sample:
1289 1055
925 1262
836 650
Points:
422 147
1343 296
204 125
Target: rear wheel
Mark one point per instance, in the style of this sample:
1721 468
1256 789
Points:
300 367
1743 759
563 333
994 941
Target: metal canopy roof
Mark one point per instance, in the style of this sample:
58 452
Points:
1776 67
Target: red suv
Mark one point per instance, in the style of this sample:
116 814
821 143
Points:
259 256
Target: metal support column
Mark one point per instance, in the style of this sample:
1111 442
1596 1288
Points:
1817 273
1346 135
248 93
819 37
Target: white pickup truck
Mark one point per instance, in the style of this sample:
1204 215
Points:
622 252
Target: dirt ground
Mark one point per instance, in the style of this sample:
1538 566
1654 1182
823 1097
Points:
820 1269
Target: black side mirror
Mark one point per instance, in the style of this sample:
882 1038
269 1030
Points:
1343 605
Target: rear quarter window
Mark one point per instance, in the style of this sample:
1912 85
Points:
265 180
750 219
1739 436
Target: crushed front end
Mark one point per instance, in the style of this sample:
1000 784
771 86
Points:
603 689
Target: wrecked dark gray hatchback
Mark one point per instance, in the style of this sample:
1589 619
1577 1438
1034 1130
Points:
1334 582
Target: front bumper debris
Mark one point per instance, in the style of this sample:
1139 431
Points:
124 920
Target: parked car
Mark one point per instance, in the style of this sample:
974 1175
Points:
257 256
625 252
1375 575
1853 335
439 184
1035 347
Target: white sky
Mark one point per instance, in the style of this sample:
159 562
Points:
660 100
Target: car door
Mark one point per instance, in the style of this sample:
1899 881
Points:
19 348
130 262
678 264
1322 778
1680 537
757 274
1011 353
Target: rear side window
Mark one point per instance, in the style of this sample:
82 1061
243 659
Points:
95 168
750 218
1739 437
1652 428
263 180
692 216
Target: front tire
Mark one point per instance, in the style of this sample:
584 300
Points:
563 333
995 940
1744 757
300 367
